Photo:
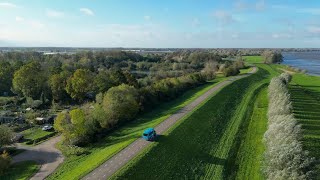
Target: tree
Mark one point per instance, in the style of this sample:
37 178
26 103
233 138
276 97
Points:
30 80
131 80
6 135
80 84
117 77
272 57
103 81
121 104
6 76
210 69
58 84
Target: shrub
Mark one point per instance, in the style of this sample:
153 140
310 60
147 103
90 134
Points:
72 150
5 161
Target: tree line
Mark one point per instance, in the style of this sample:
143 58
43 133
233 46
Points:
284 154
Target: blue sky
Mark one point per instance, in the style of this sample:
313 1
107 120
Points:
165 23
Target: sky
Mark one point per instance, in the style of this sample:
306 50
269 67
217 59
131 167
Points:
161 23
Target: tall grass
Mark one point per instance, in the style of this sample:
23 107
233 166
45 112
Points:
284 155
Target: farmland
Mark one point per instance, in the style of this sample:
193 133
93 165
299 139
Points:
78 166
305 95
207 140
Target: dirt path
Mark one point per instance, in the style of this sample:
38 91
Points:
119 160
45 154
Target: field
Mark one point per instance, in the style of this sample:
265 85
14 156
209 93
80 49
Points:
77 166
35 135
205 144
21 171
253 59
305 95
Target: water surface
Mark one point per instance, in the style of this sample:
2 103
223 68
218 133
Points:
309 61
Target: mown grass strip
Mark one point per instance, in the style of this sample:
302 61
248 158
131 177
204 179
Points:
21 171
76 167
306 105
187 151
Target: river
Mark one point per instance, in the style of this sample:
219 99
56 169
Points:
309 61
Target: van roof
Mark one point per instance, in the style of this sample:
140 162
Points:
147 131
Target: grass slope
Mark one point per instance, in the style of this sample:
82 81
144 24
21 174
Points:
205 143
77 166
305 97
251 151
21 171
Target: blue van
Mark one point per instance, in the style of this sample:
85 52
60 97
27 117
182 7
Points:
149 134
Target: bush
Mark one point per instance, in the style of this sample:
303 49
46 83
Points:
5 161
72 150
284 155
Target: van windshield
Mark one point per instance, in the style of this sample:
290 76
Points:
144 134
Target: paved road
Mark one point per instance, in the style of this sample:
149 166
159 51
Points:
45 154
112 165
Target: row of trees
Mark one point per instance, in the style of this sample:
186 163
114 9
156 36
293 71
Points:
284 154
32 81
119 105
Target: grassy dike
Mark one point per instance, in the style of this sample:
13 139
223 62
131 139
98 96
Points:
250 155
205 143
75 167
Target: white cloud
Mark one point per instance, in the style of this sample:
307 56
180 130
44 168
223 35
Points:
19 19
147 18
314 11
281 35
223 16
36 24
314 29
195 22
260 5
54 14
7 5
87 11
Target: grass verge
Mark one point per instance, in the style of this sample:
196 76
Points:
76 167
21 171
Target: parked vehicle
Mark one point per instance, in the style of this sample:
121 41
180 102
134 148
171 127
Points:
149 134
17 137
47 127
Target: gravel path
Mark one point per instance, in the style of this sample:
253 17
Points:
108 168
45 154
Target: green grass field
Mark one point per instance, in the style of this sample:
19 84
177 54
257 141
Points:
77 166
253 59
21 171
305 96
35 133
205 143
